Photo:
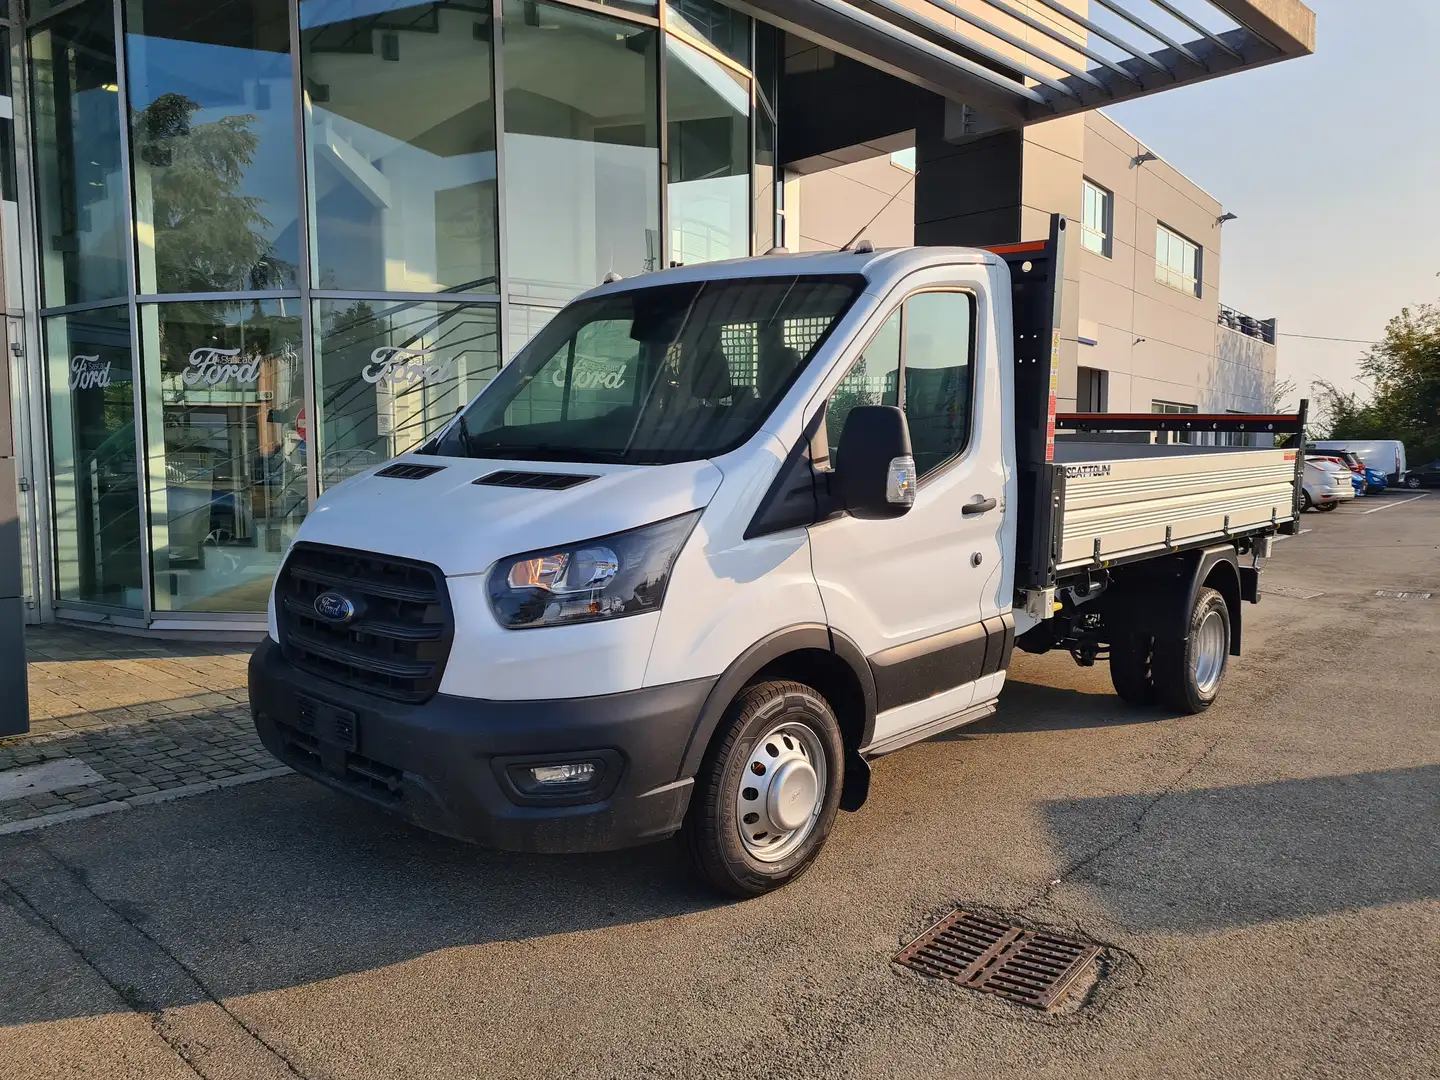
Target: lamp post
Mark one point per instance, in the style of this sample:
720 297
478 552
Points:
14 698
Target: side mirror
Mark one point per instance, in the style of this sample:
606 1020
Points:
874 465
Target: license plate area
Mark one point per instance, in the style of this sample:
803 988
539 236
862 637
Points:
329 724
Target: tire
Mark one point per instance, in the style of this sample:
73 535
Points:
1179 682
769 722
1305 501
1130 672
1327 507
1412 482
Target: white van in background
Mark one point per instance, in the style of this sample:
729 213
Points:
1384 455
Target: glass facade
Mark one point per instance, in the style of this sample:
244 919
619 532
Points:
279 242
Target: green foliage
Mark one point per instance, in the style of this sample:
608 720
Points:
1405 371
208 236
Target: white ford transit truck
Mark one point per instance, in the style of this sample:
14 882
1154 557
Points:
721 535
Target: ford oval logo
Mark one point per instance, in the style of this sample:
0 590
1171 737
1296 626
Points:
334 607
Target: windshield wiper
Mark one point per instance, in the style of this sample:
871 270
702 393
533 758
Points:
465 438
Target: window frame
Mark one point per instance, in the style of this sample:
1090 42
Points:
1107 224
1165 273
820 443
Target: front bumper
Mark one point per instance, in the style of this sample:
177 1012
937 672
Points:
445 765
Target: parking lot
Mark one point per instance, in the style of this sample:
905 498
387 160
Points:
1265 878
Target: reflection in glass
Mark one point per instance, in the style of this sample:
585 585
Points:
401 129
765 181
390 375
723 27
582 157
83 218
224 413
95 474
213 137
709 174
937 375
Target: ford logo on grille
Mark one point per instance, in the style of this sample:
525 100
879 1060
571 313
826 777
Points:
334 607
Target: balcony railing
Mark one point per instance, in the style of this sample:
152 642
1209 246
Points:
1264 329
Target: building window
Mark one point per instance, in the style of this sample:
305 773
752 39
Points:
1172 408
224 409
709 169
402 146
213 137
1177 261
1092 390
83 220
582 167
389 375
1097 222
724 28
95 475
904 159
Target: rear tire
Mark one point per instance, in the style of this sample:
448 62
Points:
1189 671
767 794
1305 501
1327 507
1130 672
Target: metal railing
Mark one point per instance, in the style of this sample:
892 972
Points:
1264 329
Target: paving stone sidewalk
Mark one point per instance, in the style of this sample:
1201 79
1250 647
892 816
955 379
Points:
146 720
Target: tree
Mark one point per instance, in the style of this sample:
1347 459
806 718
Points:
1405 405
208 236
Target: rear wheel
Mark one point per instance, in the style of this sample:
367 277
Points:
1189 670
1130 673
1323 507
767 794
1305 501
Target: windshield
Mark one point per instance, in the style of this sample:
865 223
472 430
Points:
649 376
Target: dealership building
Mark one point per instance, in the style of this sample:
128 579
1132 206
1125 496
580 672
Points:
253 247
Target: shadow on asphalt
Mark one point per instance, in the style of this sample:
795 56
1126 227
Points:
284 883
1027 706
1217 858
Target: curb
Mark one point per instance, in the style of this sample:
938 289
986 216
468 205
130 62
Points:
136 801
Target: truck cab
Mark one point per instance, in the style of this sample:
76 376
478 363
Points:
713 540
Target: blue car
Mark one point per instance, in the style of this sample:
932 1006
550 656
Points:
1375 481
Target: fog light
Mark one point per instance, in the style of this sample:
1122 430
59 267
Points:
572 775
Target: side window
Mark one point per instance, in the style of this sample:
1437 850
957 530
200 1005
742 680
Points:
938 377
600 365
873 380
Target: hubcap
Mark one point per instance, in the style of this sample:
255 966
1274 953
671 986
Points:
782 792
1210 652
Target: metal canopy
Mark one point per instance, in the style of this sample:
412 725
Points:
1024 61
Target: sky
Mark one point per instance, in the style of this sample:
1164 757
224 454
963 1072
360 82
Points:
1332 163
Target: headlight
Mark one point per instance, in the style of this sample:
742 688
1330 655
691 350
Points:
605 578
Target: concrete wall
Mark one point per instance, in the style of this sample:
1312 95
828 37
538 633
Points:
825 209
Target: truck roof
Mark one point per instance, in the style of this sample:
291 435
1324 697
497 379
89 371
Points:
880 266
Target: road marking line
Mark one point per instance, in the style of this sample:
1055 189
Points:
1388 506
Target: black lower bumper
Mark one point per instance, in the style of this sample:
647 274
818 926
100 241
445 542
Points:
457 766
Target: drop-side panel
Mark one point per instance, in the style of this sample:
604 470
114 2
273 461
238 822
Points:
1157 498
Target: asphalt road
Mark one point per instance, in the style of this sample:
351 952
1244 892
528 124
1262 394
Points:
1266 877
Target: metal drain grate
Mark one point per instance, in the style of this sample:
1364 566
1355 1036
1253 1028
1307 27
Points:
985 954
1400 594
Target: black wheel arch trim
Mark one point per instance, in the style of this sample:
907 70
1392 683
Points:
760 655
1155 597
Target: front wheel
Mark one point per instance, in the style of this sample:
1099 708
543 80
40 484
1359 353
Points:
1412 482
767 794
1189 670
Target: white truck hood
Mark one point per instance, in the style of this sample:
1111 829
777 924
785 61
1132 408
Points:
462 527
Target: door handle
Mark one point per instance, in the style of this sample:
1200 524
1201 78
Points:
978 505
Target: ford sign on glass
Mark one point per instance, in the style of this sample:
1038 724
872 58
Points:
333 607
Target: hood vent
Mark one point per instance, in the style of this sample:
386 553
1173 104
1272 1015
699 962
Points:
543 481
409 470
